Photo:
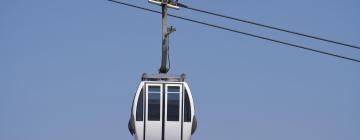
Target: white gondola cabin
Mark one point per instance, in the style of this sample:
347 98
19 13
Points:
163 109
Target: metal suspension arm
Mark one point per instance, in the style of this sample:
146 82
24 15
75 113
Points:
165 37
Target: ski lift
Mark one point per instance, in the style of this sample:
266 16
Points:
163 109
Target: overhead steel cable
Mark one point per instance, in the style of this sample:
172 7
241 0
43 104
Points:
270 27
240 32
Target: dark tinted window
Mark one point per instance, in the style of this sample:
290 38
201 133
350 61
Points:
139 107
154 103
155 89
173 107
174 89
187 108
173 103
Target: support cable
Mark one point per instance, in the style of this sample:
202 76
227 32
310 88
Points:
269 27
240 32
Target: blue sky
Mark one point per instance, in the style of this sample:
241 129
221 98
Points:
69 69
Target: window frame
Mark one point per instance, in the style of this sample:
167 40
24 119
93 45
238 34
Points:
179 102
148 109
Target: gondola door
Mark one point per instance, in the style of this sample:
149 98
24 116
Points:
163 112
154 113
173 111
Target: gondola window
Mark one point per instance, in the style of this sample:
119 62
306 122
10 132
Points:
173 103
154 103
139 107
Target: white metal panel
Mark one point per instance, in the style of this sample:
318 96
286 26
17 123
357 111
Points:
139 129
187 130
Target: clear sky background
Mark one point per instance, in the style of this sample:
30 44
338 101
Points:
69 69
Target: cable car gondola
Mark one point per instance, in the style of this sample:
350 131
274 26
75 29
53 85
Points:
163 109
